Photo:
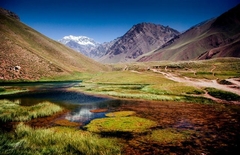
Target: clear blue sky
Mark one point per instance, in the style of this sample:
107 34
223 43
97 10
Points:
105 20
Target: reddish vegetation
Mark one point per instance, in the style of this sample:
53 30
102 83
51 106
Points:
210 126
64 122
98 110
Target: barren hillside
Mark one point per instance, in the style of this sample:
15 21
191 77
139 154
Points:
25 54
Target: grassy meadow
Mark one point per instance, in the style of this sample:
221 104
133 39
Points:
136 81
133 127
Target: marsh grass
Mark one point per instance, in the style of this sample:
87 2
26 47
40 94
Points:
57 140
143 84
120 113
120 124
149 86
2 89
172 89
229 96
7 91
12 111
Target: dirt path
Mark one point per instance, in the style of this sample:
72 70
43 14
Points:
234 88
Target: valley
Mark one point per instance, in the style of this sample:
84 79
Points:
131 110
153 90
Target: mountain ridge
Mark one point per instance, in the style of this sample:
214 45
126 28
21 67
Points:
150 35
218 37
140 39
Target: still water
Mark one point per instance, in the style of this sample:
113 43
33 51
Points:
79 104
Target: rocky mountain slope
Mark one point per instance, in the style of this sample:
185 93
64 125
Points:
25 54
140 39
218 37
101 49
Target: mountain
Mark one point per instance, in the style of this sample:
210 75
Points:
101 49
140 39
81 44
219 37
87 46
25 54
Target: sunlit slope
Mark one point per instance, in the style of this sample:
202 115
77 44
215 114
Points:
38 56
214 38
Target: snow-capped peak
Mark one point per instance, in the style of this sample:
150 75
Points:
82 40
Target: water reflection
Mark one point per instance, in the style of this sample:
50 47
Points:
84 115
79 104
41 85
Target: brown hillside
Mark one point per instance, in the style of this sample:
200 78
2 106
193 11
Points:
25 54
213 38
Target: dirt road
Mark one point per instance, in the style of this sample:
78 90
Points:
234 87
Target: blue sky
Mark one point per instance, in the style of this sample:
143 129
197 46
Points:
105 20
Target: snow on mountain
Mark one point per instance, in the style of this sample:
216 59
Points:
86 46
81 40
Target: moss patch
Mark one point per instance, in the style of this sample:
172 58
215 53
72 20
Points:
120 124
121 113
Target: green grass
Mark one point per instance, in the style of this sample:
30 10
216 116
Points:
120 124
2 89
57 140
121 113
147 85
12 111
7 91
229 96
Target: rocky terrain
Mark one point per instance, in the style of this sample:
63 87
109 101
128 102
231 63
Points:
140 39
219 37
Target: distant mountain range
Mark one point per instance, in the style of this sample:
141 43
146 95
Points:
218 37
87 46
140 39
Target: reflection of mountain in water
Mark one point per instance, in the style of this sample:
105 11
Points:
82 113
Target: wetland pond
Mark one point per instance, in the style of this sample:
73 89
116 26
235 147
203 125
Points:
181 128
